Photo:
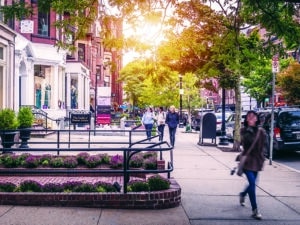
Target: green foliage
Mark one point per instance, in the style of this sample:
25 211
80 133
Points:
9 160
138 186
25 117
157 183
57 162
18 10
7 187
8 119
150 163
30 186
136 160
289 83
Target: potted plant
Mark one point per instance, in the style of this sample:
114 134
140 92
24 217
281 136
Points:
8 126
25 119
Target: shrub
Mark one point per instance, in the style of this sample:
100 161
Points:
81 157
25 117
116 161
93 161
137 186
70 162
8 119
52 187
150 163
70 185
104 187
136 161
30 186
45 159
157 183
7 187
150 154
57 162
84 187
21 158
9 160
32 161
105 159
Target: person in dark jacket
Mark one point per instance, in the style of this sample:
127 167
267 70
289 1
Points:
255 158
172 120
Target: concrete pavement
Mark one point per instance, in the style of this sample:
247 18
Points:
209 195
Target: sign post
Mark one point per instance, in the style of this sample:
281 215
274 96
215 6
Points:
275 69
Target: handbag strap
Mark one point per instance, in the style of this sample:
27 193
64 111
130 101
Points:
254 142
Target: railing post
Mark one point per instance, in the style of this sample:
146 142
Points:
125 174
58 141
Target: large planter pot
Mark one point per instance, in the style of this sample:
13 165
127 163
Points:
24 136
8 139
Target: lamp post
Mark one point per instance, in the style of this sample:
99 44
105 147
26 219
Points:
223 137
98 74
275 69
180 101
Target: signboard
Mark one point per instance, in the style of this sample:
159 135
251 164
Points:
81 118
104 100
26 26
275 64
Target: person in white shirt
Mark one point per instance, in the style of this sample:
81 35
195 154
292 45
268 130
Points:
161 121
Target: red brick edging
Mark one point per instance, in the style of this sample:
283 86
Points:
132 200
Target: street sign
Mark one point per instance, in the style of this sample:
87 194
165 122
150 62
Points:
275 64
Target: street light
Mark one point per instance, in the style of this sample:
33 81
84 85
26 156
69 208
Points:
180 100
98 75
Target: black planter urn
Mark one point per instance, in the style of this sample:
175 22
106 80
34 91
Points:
8 139
24 136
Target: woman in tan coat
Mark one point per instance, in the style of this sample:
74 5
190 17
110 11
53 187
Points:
250 133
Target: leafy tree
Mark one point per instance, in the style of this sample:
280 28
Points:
79 14
289 83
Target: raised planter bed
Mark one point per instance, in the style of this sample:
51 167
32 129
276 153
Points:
132 200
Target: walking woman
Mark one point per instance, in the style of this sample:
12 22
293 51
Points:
161 120
147 121
172 119
252 133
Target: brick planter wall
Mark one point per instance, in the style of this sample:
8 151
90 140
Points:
132 200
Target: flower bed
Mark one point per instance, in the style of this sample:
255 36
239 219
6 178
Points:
154 192
153 183
133 200
147 160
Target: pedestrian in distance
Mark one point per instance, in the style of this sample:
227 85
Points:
148 121
161 120
172 120
253 139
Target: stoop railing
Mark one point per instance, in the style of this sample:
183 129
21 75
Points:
82 141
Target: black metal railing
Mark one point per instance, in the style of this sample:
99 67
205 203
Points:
81 141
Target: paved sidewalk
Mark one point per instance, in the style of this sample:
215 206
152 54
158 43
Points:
209 195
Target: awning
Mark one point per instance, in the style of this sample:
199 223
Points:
48 53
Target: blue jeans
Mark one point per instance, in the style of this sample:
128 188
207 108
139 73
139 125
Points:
250 190
161 129
148 128
172 132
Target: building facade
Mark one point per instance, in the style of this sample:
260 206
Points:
54 80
